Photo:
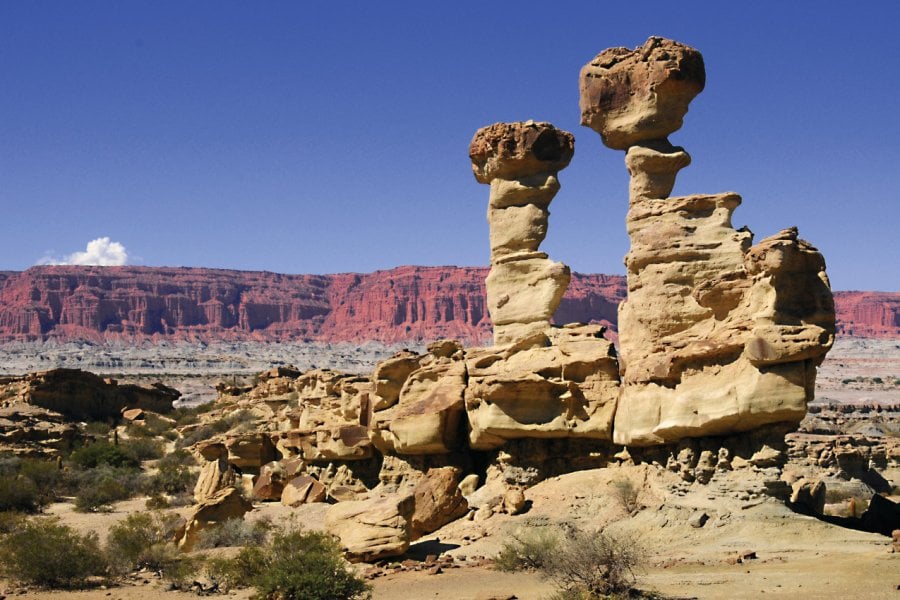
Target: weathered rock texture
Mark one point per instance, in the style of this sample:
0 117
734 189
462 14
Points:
716 335
520 161
372 529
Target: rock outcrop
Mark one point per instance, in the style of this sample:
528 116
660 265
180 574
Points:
84 396
520 161
226 504
716 335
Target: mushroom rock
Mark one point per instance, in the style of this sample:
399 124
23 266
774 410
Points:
628 96
716 335
520 161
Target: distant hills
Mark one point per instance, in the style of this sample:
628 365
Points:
407 303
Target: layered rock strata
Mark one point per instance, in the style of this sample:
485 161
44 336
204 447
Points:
716 335
520 161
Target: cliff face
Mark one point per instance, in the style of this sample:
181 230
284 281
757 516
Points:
406 303
868 314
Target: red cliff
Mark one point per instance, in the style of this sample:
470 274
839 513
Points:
402 304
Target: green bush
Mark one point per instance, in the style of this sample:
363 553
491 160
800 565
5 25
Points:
10 521
104 453
189 415
528 549
234 532
19 494
42 552
178 458
594 564
46 477
95 489
241 419
302 565
143 448
170 480
135 542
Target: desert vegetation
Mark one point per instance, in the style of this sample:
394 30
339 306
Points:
583 565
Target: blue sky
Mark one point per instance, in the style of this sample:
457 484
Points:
314 137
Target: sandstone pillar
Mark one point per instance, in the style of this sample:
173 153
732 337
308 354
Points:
715 336
520 161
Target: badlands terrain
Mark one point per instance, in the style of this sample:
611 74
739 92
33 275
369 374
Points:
719 417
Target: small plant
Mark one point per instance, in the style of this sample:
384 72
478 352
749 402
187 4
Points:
95 489
594 564
626 494
104 453
584 565
301 565
528 549
45 553
157 502
143 448
137 541
46 477
170 479
18 494
234 532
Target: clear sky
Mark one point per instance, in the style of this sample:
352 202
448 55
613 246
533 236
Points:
322 137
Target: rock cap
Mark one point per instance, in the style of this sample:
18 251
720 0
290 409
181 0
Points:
632 96
520 149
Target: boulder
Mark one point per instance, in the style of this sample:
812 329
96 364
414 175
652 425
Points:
629 96
302 490
428 417
225 504
372 529
438 501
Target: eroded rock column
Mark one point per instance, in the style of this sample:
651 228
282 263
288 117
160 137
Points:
520 161
716 336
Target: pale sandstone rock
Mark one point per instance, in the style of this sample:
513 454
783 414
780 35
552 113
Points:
438 501
514 501
566 387
270 483
328 423
628 96
372 529
389 377
215 475
302 490
809 496
428 416
716 336
520 162
469 484
225 504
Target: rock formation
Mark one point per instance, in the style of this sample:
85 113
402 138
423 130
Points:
520 161
716 336
84 396
136 304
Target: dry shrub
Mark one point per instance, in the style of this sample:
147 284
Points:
528 549
626 493
584 565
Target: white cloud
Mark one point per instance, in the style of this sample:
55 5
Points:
102 252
